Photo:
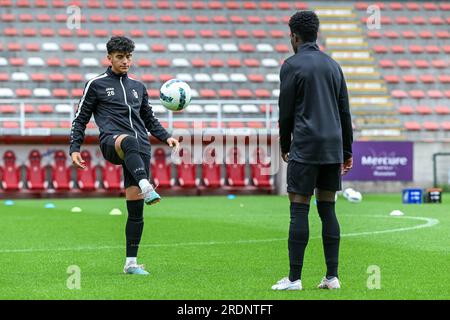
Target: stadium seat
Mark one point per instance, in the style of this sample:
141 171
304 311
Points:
35 173
161 170
431 126
260 169
412 126
235 171
86 178
187 171
60 172
211 171
112 176
11 173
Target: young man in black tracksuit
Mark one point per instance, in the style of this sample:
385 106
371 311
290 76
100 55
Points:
123 115
316 140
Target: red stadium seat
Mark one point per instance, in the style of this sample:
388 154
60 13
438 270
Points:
435 94
424 110
412 126
112 176
409 78
392 78
260 170
427 78
226 93
399 94
211 171
406 110
154 34
161 170
86 178
244 93
251 63
162 63
262 93
417 94
60 172
235 170
23 92
445 125
431 126
181 5
187 171
35 173
207 93
11 172
158 47
234 63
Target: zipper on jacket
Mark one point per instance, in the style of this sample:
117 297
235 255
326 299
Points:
126 102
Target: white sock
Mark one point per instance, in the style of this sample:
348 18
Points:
144 184
130 260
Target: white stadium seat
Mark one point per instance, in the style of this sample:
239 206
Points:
229 47
6 93
194 108
63 108
35 62
276 93
141 47
264 47
176 47
89 76
50 46
3 61
269 63
187 77
272 77
194 93
180 62
41 93
193 47
86 46
20 76
202 77
231 108
249 108
90 62
238 77
220 77
212 108
211 47
157 108
101 46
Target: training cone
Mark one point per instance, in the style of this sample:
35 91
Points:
76 209
397 213
49 206
9 203
115 212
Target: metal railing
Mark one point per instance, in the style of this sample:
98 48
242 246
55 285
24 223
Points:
269 117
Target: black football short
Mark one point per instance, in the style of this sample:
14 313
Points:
303 178
109 153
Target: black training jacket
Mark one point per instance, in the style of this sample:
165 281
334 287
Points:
120 106
314 108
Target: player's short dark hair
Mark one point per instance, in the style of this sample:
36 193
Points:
305 24
120 44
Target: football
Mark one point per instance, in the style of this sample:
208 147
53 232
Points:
175 95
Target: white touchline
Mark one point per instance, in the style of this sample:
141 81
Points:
430 222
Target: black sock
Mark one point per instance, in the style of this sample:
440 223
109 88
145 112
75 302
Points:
133 161
298 238
330 236
135 226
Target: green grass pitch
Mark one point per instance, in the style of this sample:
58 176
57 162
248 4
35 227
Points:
217 248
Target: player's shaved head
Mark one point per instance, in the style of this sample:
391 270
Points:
305 24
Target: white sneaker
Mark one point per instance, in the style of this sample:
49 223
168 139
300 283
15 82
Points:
333 283
286 284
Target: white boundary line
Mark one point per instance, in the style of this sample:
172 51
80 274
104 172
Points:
430 222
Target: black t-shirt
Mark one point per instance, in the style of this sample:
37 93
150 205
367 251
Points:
314 117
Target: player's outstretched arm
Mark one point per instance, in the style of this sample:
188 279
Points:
346 121
86 106
286 104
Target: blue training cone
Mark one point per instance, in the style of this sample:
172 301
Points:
9 203
49 206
